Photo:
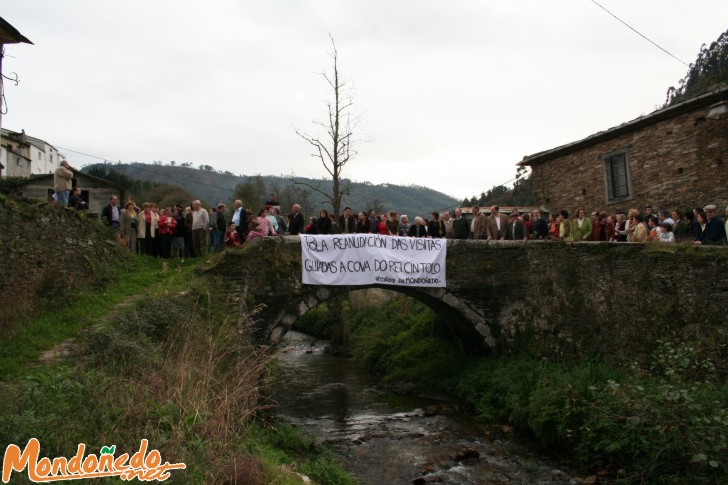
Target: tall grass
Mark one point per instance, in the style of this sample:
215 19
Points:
168 367
34 325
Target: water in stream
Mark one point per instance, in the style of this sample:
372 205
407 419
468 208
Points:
382 437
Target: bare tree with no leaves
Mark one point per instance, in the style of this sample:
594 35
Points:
338 147
334 151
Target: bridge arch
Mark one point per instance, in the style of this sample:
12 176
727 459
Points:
466 322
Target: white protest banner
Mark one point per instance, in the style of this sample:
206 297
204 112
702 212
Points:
368 259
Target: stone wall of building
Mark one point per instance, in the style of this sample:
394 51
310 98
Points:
46 251
94 191
681 162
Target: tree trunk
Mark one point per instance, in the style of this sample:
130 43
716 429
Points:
341 342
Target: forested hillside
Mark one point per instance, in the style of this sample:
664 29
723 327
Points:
212 187
709 72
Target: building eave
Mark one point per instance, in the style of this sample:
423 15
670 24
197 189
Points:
660 115
11 35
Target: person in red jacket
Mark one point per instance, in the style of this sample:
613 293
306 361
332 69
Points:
232 238
167 224
602 229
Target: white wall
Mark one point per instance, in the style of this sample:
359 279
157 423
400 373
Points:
43 160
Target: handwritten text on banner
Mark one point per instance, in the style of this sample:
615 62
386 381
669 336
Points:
368 259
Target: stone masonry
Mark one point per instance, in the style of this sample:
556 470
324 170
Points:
554 300
46 251
678 159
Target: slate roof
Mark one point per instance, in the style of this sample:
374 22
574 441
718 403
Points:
662 114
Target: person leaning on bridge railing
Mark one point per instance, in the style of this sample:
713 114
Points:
564 225
602 230
436 226
581 227
460 226
715 231
636 231
363 224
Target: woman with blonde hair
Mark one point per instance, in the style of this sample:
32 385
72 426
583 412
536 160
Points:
636 230
128 225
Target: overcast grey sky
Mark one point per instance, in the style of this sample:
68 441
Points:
452 93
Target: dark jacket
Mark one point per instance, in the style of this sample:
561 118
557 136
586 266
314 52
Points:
106 214
680 230
602 228
281 224
461 228
435 229
79 204
374 225
417 230
352 225
323 225
540 228
296 224
518 233
362 227
220 224
180 229
693 231
714 232
620 227
188 222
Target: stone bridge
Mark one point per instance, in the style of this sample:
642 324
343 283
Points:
551 299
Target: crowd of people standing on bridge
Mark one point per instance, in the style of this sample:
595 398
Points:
701 225
179 232
191 231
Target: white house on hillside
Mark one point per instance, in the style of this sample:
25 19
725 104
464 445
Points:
43 156
22 155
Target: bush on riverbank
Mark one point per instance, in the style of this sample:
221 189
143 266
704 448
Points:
406 343
662 424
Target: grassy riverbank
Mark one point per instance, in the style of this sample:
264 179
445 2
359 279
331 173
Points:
662 424
156 357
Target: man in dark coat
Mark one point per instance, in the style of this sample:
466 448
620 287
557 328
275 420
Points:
539 226
347 222
111 213
714 232
373 221
296 223
76 202
218 235
516 230
460 226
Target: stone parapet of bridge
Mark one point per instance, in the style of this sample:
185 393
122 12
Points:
555 300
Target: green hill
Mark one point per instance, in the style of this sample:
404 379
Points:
212 187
